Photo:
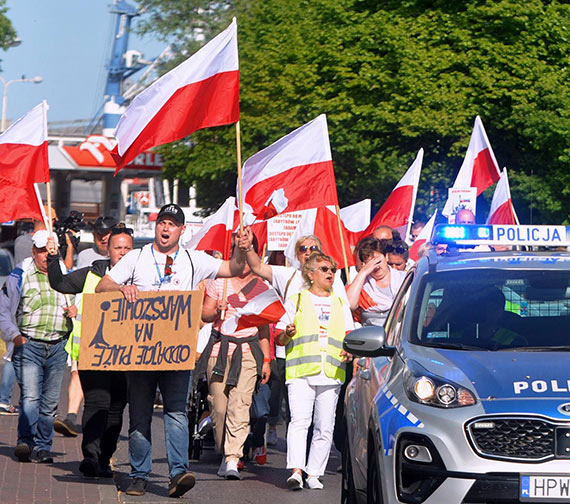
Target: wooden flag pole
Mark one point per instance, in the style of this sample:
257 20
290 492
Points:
49 222
342 244
240 194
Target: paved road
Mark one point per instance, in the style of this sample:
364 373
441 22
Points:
61 481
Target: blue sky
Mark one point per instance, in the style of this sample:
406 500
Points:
68 43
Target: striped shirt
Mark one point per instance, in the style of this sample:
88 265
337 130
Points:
40 313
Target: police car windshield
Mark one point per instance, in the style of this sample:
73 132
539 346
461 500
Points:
495 310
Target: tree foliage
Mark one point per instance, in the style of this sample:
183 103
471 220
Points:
7 32
392 76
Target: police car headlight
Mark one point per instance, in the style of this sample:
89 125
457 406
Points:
432 390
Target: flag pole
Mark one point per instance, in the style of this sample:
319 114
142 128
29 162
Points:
415 195
342 244
49 222
240 193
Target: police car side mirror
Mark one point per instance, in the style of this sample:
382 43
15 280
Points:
368 341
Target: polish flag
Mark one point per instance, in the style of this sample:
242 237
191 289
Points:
321 222
502 210
265 308
201 92
423 237
258 228
216 233
398 210
480 168
356 218
294 173
23 162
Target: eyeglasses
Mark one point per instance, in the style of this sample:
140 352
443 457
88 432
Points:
312 248
168 266
120 230
326 269
399 249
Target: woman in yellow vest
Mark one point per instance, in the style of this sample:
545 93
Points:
313 330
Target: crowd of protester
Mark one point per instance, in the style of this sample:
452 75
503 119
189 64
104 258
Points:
250 373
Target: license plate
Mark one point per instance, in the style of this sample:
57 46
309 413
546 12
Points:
545 488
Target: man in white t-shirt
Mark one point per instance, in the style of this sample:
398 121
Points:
163 265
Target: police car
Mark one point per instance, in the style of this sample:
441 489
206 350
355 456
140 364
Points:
463 396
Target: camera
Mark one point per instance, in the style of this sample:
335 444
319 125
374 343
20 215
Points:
74 222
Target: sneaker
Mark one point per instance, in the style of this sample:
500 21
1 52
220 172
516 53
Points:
295 481
44 457
8 409
66 427
314 483
181 483
260 455
205 425
232 472
23 452
271 437
222 469
136 487
89 468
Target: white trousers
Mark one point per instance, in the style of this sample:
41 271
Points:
303 399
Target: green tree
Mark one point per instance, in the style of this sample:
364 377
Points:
7 32
392 76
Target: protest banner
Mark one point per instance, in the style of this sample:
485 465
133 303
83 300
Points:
281 228
460 198
158 331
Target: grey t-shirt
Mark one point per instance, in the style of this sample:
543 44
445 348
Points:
23 247
87 256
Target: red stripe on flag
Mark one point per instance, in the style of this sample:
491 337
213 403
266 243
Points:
326 228
395 212
204 104
484 171
23 164
272 313
18 202
217 238
306 186
504 214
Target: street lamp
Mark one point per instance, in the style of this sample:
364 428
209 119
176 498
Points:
37 79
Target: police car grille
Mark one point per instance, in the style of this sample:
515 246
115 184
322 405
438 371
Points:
520 439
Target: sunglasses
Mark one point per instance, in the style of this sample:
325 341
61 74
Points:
121 230
399 249
168 266
326 269
312 248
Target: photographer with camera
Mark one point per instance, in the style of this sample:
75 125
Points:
23 243
101 232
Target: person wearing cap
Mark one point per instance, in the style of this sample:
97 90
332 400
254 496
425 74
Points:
163 265
102 230
23 243
35 319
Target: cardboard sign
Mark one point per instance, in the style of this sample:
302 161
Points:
159 331
281 228
460 198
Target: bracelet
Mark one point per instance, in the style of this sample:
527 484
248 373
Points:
250 249
266 360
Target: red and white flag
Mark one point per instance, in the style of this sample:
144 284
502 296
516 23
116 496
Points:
23 162
480 168
201 92
398 210
321 222
423 237
265 308
502 210
356 219
294 173
216 233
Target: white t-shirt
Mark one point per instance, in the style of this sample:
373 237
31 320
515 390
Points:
88 256
282 275
146 268
323 308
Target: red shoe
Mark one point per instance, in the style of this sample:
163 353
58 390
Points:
240 465
260 455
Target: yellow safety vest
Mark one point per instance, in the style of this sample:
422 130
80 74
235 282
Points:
303 352
73 343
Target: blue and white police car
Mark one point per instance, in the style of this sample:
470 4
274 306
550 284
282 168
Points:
464 395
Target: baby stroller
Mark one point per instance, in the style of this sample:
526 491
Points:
197 405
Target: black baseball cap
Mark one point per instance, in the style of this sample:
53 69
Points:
105 224
172 211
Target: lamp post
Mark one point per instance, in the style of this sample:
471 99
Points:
37 79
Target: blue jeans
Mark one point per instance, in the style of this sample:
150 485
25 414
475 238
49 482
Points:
39 370
8 380
174 387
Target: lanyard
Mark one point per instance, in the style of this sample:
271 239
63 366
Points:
161 277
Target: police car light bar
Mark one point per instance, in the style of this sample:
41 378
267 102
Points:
473 234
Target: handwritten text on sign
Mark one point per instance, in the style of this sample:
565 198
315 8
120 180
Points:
157 332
